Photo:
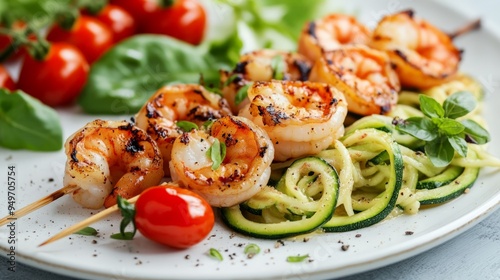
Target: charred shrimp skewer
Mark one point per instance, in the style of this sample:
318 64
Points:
105 159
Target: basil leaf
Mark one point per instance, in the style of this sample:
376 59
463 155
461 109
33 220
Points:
278 66
459 104
430 107
26 123
458 144
186 126
420 128
124 78
123 235
475 133
242 93
450 127
90 231
439 151
217 153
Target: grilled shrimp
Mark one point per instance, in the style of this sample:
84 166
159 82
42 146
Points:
424 55
262 65
170 104
330 33
111 158
364 75
245 169
301 118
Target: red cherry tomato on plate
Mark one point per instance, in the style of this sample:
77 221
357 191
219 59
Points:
173 216
58 78
88 34
139 9
6 80
184 20
118 20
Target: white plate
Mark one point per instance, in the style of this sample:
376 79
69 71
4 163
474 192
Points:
39 174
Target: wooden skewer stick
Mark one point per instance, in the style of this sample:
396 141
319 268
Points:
74 228
471 26
38 204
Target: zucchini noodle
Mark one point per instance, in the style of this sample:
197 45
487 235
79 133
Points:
382 173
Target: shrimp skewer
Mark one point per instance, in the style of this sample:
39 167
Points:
301 118
364 75
158 117
245 169
424 56
262 65
329 33
110 158
105 159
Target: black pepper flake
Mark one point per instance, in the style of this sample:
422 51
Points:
358 235
408 232
345 247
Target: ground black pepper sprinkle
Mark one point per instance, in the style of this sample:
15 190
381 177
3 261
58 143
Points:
408 232
358 235
345 247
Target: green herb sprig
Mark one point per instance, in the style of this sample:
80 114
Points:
128 212
443 133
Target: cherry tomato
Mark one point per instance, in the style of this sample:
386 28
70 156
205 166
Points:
184 20
139 9
173 216
88 34
118 20
56 80
6 80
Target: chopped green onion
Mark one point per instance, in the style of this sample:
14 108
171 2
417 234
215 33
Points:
186 126
252 250
87 231
298 258
215 254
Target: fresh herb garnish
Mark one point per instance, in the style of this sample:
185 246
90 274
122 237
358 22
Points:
242 93
278 66
208 124
90 231
215 254
128 212
440 129
217 153
252 250
186 126
298 258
